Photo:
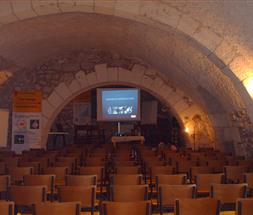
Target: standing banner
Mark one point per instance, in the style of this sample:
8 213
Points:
82 109
26 120
4 125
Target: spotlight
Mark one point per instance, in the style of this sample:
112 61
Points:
248 83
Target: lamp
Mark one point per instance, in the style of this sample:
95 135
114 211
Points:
248 83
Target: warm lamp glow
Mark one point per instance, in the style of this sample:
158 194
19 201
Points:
186 130
248 83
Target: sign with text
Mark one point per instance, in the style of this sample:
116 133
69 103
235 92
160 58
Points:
26 120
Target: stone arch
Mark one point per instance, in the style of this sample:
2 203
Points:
161 14
139 76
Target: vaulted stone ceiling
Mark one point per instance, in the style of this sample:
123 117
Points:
199 47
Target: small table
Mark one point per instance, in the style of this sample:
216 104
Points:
116 139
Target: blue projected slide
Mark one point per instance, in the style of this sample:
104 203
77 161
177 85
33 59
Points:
120 104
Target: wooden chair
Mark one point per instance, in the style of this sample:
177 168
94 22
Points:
160 170
26 195
248 178
6 208
59 172
244 206
56 208
202 206
195 170
234 174
3 168
84 194
167 194
184 166
128 170
228 193
17 174
128 193
204 182
171 179
99 171
217 165
41 180
81 180
124 163
126 179
4 185
34 165
126 208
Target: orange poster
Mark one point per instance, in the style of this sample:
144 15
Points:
27 101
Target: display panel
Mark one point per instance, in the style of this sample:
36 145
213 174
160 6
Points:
118 104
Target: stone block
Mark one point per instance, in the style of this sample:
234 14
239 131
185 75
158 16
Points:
74 86
85 6
113 75
81 78
54 99
147 81
173 98
47 109
6 13
180 106
208 38
105 6
187 25
23 9
45 7
125 75
91 78
67 5
101 72
44 121
127 9
63 90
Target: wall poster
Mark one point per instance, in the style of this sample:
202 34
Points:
26 120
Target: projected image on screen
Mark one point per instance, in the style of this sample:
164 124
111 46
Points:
118 104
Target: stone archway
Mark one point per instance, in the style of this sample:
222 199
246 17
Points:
147 79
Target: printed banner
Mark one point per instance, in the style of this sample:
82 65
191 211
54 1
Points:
82 113
26 120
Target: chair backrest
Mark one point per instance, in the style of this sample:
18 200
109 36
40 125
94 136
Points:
171 179
167 194
132 179
126 208
4 182
27 195
161 170
59 172
128 193
244 206
84 194
202 206
217 165
93 170
228 193
204 181
17 173
40 180
195 170
3 168
234 174
81 180
56 208
35 165
67 164
6 208
119 163
184 166
128 170
248 178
